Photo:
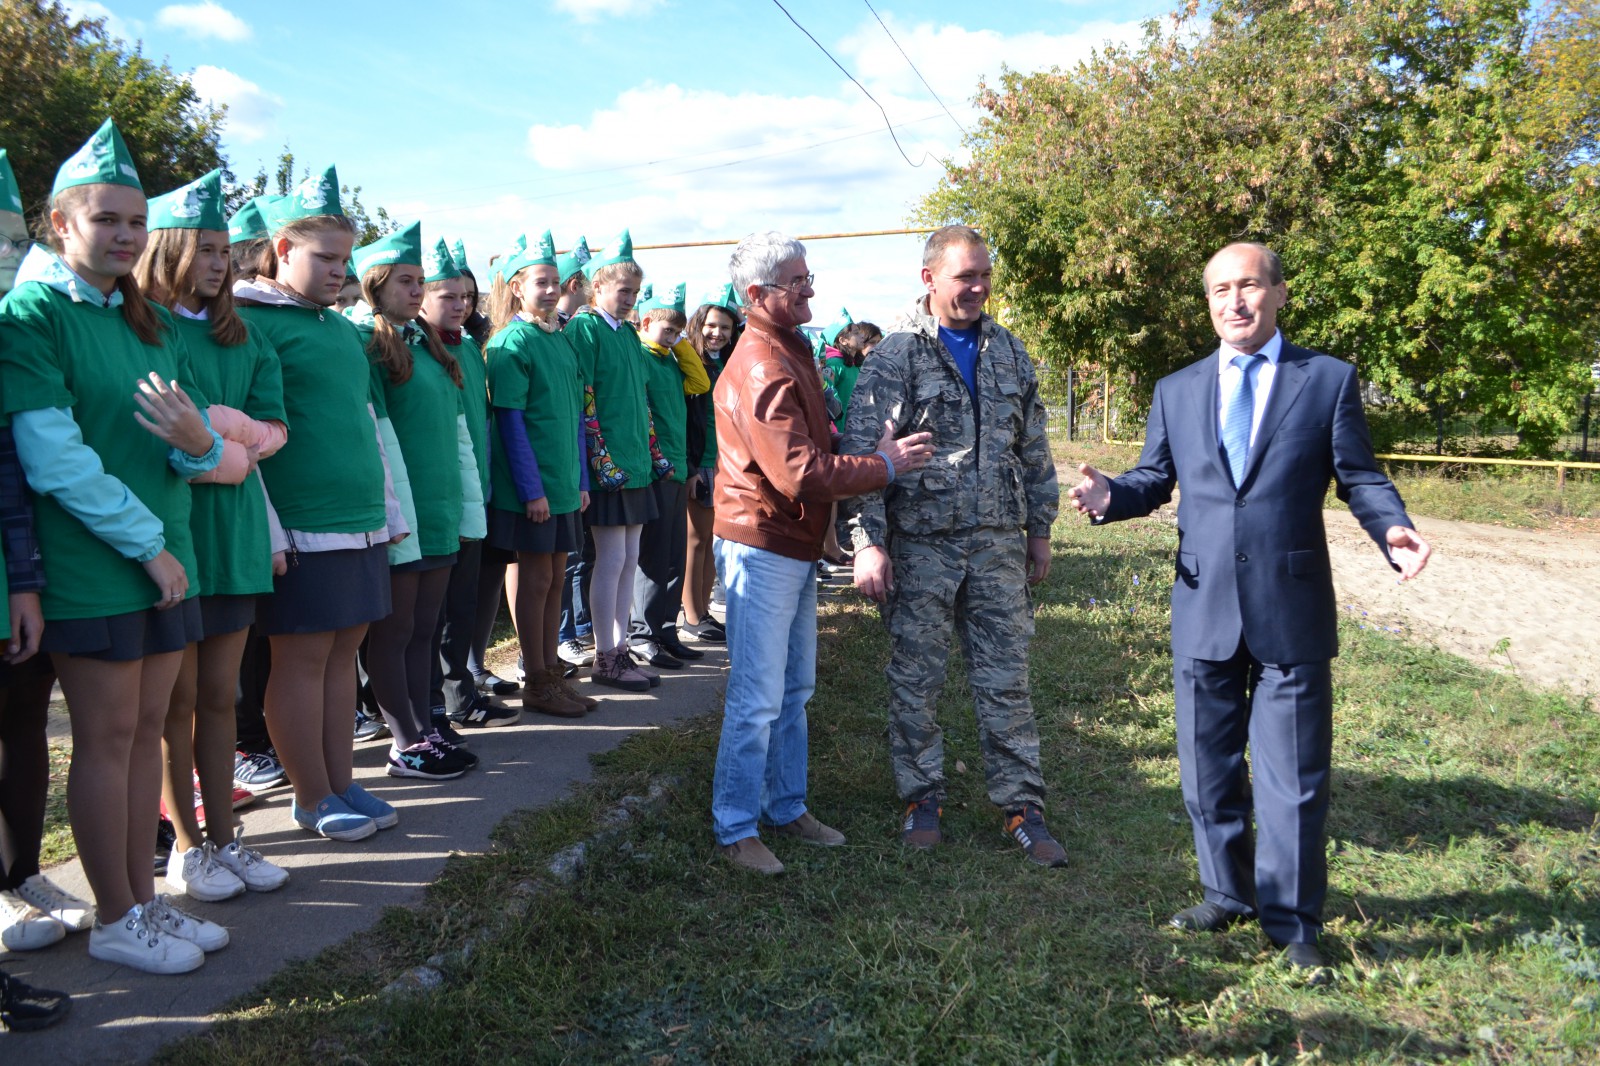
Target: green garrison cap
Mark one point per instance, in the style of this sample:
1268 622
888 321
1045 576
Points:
571 262
672 298
10 194
458 256
401 246
646 294
620 250
103 160
836 327
509 256
725 298
541 254
248 223
317 195
437 264
197 205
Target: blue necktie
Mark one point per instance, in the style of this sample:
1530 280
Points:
1241 408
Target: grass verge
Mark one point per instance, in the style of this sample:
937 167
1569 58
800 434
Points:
1464 833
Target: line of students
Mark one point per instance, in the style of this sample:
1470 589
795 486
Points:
212 449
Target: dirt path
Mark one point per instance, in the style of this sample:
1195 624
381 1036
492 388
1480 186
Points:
1536 590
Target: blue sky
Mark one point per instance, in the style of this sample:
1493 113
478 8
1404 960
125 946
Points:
682 120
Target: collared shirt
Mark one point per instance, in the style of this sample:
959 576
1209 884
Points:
614 323
1228 376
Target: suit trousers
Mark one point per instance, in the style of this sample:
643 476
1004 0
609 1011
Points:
1284 714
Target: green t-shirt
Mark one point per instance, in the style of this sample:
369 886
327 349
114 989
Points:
329 477
537 373
231 544
57 353
423 412
475 402
608 362
844 383
668 411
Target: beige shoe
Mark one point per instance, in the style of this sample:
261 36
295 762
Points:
752 855
572 695
810 830
540 696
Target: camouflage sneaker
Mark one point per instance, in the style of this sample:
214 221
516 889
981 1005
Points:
1027 827
921 828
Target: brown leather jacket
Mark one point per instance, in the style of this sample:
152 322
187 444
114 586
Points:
777 474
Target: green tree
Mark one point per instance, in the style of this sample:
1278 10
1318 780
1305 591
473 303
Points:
370 225
1379 145
61 77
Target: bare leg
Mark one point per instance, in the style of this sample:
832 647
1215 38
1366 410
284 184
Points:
698 570
338 700
177 746
296 694
216 682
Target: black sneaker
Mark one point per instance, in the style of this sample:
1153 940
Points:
453 752
486 714
497 686
24 1008
1027 827
423 760
369 727
441 726
676 648
708 631
653 653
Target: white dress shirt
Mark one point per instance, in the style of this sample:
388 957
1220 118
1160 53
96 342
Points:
1228 377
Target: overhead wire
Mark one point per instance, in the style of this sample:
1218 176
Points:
912 65
925 156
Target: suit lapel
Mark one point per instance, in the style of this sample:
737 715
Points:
1203 395
1287 382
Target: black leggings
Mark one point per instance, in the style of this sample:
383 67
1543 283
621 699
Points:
400 652
24 767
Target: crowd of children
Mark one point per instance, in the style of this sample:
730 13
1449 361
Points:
253 477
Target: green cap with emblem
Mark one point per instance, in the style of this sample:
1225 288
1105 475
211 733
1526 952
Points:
248 223
724 298
541 254
317 194
619 250
672 298
103 160
10 193
401 246
836 327
437 264
197 205
458 256
569 263
509 256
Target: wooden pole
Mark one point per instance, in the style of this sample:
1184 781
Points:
802 237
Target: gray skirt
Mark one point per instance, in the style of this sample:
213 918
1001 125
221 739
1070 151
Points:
325 591
221 615
512 532
122 638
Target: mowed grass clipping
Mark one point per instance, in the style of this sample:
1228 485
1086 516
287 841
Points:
1462 917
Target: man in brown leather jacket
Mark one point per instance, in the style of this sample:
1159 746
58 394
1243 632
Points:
777 475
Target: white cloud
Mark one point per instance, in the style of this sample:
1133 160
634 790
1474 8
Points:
595 10
252 111
207 19
126 29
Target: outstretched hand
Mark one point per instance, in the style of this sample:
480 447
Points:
1092 495
1409 551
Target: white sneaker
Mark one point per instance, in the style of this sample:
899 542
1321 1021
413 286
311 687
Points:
24 927
250 867
133 940
574 654
74 913
198 874
161 915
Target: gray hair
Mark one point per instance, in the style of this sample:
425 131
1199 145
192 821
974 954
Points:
757 258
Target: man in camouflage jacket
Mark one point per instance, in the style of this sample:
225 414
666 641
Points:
958 542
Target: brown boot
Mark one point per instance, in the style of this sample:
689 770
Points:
572 695
544 698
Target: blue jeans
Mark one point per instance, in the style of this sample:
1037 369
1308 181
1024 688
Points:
772 652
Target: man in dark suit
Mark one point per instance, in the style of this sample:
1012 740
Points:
1253 433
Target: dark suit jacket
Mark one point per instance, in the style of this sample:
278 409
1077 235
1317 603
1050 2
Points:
1253 559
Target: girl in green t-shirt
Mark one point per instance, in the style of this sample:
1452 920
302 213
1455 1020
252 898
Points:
186 269
95 379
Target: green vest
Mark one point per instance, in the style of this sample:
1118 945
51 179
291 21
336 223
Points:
57 353
668 411
609 363
329 477
537 373
231 544
423 412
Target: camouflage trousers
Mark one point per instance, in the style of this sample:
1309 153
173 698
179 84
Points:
975 582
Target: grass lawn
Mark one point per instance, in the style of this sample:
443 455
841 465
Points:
1465 862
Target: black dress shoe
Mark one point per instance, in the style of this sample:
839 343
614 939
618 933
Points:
1304 956
1204 917
675 647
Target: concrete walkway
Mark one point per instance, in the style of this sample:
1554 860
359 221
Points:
335 890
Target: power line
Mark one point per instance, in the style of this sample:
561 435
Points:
912 65
858 85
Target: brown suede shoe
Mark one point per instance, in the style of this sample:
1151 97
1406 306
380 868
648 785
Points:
810 830
750 854
558 681
540 696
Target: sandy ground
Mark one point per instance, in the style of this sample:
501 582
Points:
1522 600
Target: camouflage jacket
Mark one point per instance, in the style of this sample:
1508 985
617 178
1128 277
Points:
991 464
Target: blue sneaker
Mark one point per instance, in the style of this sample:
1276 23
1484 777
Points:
335 820
361 801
